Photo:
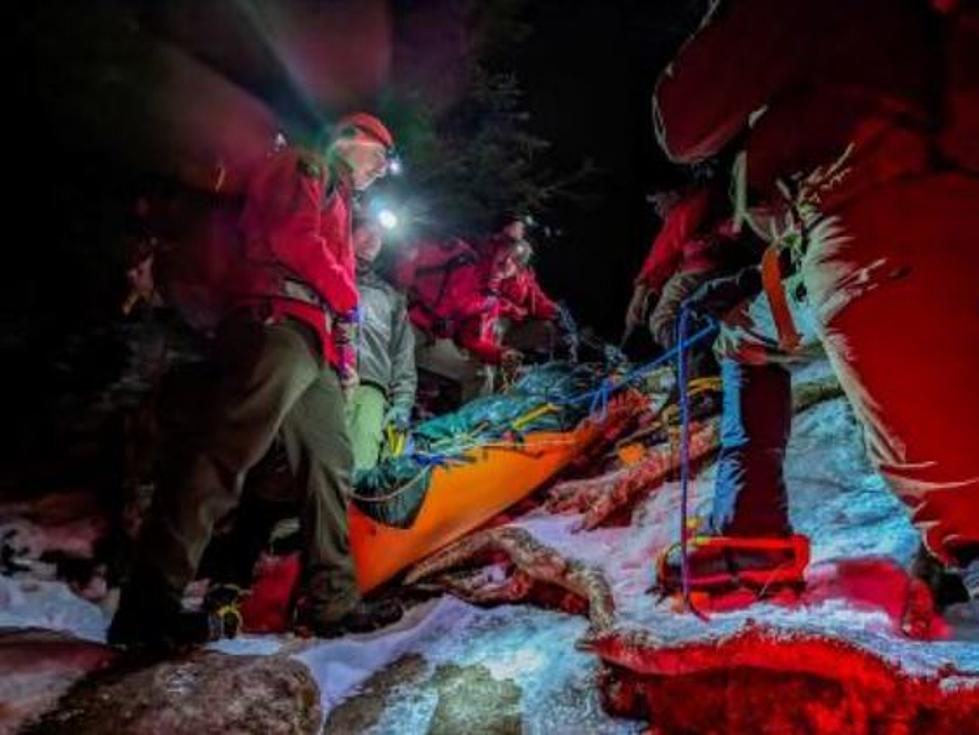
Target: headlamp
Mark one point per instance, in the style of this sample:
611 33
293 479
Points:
387 219
395 167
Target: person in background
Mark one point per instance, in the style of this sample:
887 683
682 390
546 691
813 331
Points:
385 357
695 244
454 317
528 316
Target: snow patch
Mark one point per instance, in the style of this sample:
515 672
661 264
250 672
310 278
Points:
31 603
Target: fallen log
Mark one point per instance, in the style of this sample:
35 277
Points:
600 498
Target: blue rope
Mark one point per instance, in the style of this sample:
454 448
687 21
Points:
598 398
682 345
599 403
637 374
681 379
431 459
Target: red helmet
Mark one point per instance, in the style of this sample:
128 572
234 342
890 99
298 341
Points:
367 124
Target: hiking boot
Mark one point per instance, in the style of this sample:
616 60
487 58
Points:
164 627
365 616
223 602
947 587
764 564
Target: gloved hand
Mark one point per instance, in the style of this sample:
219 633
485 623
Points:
398 419
717 297
511 359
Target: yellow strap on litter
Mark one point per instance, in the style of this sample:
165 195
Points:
704 384
533 414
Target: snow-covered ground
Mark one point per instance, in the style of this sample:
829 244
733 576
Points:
836 499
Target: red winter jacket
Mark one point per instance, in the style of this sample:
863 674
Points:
479 335
522 298
447 296
682 244
824 84
297 241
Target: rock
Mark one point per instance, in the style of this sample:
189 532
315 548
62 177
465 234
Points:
467 699
201 692
38 667
764 680
472 701
362 711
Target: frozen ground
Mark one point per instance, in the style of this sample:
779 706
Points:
835 498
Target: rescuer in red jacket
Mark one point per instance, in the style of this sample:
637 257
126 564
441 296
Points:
838 103
694 245
446 290
682 215
454 315
285 356
527 315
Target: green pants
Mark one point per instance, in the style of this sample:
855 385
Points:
365 419
271 384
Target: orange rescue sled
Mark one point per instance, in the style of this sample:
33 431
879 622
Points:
464 496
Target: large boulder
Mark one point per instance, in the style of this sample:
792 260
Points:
201 692
38 667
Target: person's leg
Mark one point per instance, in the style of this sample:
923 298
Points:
365 419
894 283
319 451
749 539
268 497
230 558
320 454
264 371
750 496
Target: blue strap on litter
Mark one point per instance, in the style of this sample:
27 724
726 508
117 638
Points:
431 460
607 388
599 403
681 379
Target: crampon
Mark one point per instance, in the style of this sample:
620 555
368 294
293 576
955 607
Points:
727 572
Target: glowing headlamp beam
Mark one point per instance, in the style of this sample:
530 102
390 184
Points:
387 219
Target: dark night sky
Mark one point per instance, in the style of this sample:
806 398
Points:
589 69
72 147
